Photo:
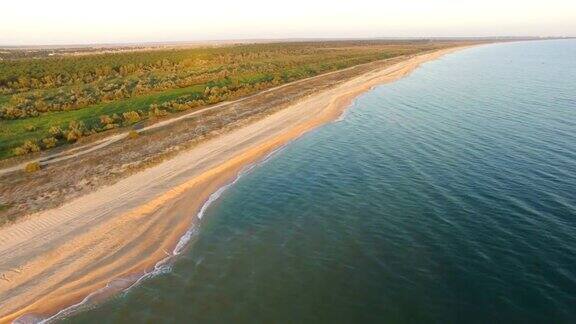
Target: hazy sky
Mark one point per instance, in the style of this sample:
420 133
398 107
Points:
67 21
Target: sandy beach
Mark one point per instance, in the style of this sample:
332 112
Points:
106 240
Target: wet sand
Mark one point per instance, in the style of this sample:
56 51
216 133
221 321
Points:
113 236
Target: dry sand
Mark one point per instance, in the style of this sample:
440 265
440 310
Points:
111 237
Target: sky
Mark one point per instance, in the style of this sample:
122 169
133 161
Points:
45 22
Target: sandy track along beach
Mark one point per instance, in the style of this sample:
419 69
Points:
56 258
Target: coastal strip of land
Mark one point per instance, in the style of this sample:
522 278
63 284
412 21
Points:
102 159
106 240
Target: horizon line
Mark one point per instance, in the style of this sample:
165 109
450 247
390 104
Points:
231 41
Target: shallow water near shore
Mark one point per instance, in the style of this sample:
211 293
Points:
447 196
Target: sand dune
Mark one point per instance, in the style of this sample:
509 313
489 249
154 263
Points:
112 236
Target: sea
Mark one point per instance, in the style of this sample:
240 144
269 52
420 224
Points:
448 196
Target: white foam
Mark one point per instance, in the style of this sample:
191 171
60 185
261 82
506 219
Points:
163 266
346 111
71 309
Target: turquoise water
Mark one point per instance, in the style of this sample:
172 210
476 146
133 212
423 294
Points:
448 196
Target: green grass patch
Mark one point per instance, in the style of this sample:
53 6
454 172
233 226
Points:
14 132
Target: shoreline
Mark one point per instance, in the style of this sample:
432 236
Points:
126 237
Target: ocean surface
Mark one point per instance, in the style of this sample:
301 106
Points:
446 197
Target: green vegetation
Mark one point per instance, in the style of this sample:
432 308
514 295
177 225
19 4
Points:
133 134
46 102
32 167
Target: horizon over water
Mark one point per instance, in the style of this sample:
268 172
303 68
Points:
448 196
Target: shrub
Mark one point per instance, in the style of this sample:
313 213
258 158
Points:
28 147
133 134
155 111
56 131
105 120
131 117
110 126
76 125
4 206
73 136
49 142
20 151
75 131
32 167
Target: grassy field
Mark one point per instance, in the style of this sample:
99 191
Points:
14 132
39 94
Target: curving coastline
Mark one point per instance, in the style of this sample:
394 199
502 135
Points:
56 258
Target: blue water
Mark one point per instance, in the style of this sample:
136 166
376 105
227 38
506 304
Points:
446 197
